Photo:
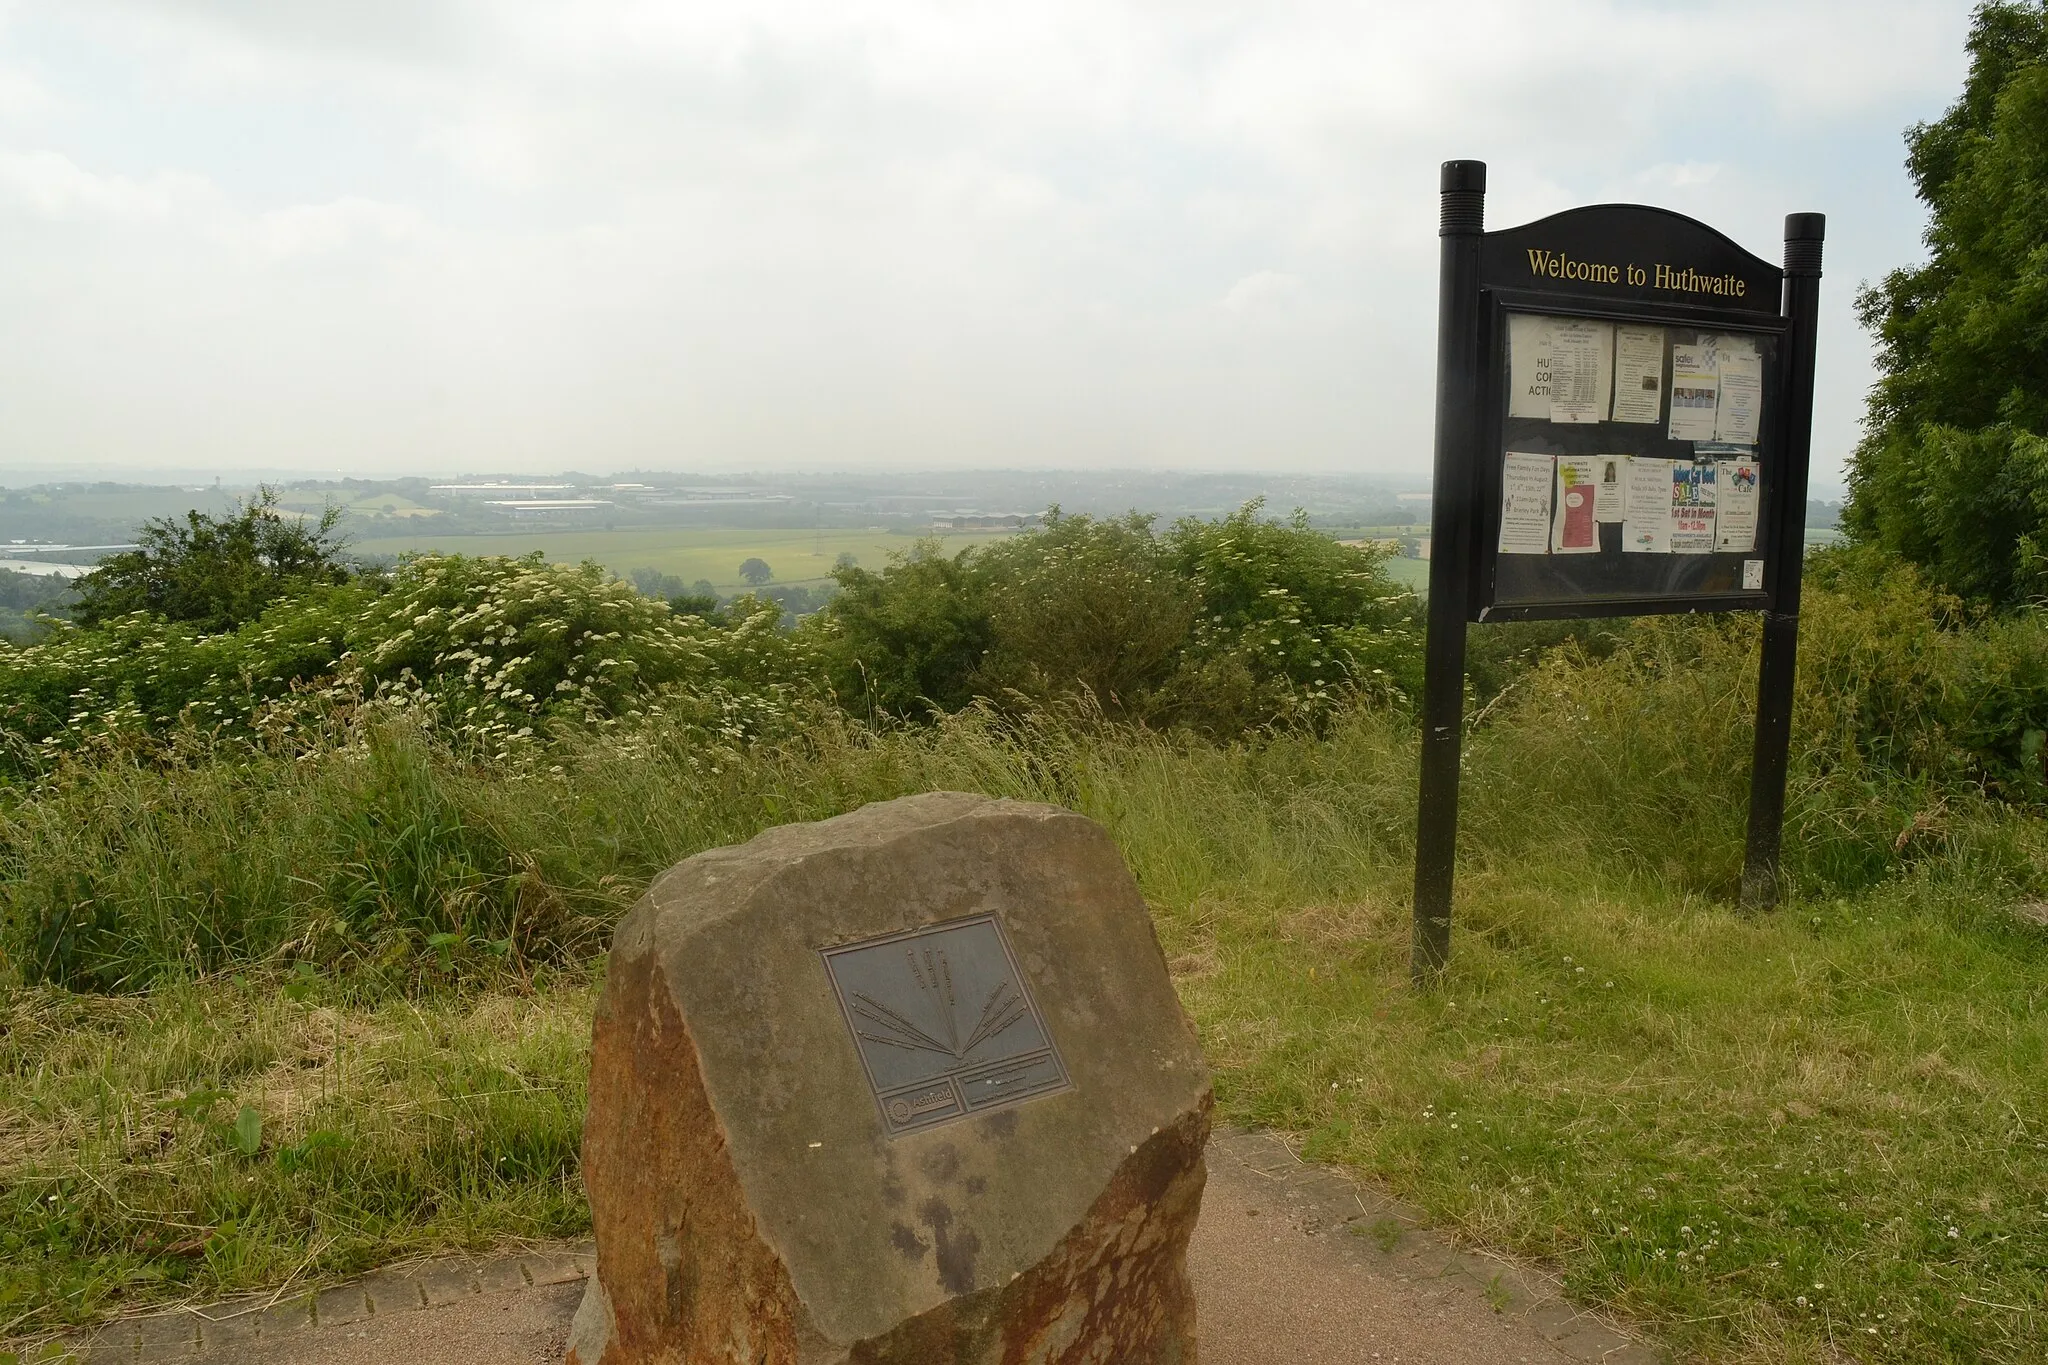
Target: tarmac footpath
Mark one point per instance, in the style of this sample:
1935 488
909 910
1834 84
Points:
1293 1264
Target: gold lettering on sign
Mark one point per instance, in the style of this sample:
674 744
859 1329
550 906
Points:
1557 265
1690 281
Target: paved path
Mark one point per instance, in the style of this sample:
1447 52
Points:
1298 1265
1293 1265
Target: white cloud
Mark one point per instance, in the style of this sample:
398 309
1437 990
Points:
1678 175
489 149
751 230
23 97
323 229
1263 291
50 185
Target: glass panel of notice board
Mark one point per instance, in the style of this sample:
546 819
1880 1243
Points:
1634 460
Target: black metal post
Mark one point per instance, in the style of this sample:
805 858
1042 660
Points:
1804 236
1452 513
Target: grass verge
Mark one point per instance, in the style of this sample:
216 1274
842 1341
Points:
132 1171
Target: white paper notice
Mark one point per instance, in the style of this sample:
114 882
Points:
1525 481
1646 527
1574 531
1739 412
1722 349
1581 370
1529 366
1735 518
1695 394
1638 374
1610 498
1752 575
1692 506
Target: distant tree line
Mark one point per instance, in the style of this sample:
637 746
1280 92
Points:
702 597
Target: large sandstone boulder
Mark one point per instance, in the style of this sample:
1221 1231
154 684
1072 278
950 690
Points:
906 1087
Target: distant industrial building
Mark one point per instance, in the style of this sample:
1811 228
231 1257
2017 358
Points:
500 489
548 507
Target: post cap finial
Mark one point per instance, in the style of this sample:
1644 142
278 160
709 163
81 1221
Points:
1463 177
1806 227
1804 240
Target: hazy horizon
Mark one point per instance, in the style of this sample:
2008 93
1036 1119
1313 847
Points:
446 236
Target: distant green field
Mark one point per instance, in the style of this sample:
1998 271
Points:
1409 573
690 553
373 505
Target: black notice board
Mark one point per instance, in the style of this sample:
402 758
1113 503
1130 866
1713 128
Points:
1708 358
1618 284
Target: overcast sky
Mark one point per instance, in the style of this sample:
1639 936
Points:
445 235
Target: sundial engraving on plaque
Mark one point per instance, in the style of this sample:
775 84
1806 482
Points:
945 1025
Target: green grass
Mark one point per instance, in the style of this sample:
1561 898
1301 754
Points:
1702 1117
713 553
384 1130
1758 1135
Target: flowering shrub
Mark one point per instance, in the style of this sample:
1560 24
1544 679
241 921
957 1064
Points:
491 646
485 651
140 675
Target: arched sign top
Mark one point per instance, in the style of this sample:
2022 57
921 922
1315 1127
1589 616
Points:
1633 252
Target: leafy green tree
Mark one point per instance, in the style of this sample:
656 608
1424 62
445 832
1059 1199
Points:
910 638
1084 606
1213 625
655 583
1952 472
1288 621
756 571
216 573
704 604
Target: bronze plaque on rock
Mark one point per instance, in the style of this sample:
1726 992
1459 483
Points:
944 1023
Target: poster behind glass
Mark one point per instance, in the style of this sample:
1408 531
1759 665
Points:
1633 460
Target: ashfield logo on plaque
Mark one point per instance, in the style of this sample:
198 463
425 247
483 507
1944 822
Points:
944 1023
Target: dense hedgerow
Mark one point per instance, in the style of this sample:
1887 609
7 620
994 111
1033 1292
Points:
1218 626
